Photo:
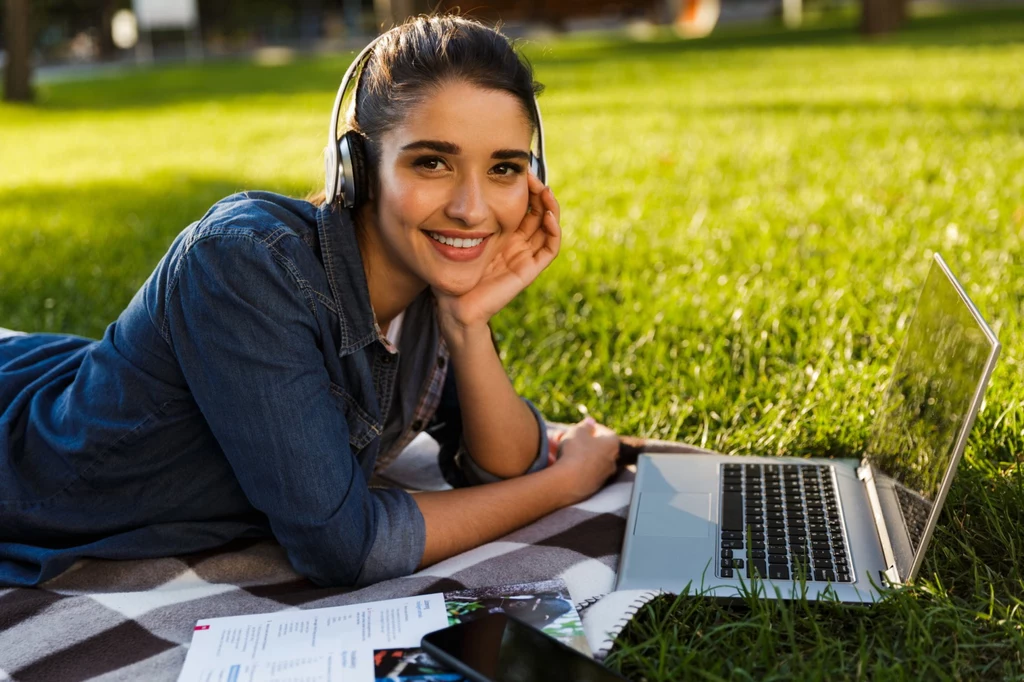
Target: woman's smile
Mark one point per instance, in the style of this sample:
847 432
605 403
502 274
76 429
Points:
459 246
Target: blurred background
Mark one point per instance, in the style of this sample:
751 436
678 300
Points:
51 33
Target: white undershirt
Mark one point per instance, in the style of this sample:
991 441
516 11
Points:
395 329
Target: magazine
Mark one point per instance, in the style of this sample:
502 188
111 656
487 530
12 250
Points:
545 605
366 642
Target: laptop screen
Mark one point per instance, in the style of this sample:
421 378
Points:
931 401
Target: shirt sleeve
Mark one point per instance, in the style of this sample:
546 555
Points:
241 325
457 465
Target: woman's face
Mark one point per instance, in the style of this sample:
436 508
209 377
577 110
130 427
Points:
453 185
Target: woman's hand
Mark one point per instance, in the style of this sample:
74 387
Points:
589 453
526 251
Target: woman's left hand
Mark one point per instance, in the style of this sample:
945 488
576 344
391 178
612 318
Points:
526 251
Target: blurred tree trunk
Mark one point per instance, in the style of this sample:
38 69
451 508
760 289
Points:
107 47
882 16
394 12
18 40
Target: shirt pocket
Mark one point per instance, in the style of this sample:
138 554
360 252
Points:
362 428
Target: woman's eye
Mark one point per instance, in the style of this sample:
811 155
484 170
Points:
508 169
430 163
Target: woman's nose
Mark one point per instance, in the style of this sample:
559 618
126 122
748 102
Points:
467 204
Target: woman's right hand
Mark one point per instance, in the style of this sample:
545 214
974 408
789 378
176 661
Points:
589 452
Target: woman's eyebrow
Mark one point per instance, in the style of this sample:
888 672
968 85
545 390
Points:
506 154
434 145
454 149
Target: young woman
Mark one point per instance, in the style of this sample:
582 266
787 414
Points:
285 350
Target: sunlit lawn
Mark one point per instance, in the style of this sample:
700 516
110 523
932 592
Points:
748 221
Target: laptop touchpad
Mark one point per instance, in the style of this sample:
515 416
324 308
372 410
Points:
675 515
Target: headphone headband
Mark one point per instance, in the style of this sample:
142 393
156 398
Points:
340 174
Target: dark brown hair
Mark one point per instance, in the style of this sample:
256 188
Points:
421 56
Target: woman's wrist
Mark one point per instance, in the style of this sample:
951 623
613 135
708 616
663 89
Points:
459 337
559 485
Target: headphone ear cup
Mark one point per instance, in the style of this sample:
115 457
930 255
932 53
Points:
330 172
535 166
360 170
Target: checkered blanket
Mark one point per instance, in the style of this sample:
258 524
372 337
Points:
133 620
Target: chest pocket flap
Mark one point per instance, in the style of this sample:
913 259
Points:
362 428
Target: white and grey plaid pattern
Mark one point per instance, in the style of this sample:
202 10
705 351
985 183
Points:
133 620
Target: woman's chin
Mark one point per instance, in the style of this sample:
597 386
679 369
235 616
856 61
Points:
454 286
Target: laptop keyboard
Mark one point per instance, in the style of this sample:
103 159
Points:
782 522
915 512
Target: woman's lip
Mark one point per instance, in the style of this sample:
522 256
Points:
459 234
454 253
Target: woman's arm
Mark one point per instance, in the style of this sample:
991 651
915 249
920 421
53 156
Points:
461 519
247 343
500 431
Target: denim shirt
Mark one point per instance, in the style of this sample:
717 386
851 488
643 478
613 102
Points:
245 390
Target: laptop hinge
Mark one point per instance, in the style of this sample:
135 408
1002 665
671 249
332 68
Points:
864 474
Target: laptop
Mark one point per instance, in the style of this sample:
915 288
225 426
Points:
838 529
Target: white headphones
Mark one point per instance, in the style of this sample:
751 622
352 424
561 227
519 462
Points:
345 159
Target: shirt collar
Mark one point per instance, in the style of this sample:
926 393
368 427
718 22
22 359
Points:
343 263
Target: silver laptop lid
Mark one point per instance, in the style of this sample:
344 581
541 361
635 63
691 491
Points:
933 396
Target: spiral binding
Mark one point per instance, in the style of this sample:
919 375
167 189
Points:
587 603
628 614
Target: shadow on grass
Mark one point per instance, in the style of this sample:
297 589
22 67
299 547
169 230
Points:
72 258
183 84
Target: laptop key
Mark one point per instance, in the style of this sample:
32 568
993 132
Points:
824 574
726 553
732 511
755 554
732 535
843 577
757 568
727 563
777 572
778 559
732 544
733 488
737 563
726 572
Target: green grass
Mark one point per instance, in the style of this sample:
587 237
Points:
748 221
